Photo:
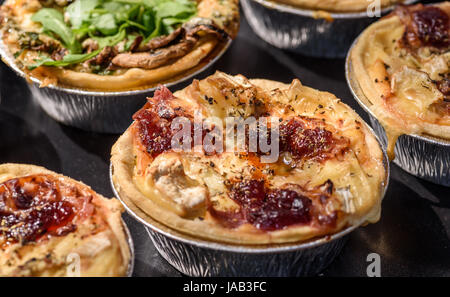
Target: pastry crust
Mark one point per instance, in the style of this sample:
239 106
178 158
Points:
98 241
337 5
223 14
357 175
400 81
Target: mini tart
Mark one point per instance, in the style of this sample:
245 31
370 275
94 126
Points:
329 174
401 64
215 23
337 5
49 221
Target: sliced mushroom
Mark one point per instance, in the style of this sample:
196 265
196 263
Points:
90 45
155 59
161 50
135 44
161 41
198 25
190 28
104 57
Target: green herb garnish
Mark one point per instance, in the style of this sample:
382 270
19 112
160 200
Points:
110 22
68 59
53 21
79 11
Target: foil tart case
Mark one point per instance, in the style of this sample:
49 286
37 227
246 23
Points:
196 257
130 243
102 112
305 31
423 156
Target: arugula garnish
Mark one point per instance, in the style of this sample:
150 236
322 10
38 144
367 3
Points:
106 24
114 39
110 22
68 59
79 11
53 21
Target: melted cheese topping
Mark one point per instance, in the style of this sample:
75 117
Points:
399 83
185 185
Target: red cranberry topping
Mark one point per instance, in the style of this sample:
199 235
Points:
270 209
31 207
274 209
154 123
424 26
309 143
432 27
155 132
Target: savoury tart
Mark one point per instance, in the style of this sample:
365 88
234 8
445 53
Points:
329 173
115 45
51 225
401 64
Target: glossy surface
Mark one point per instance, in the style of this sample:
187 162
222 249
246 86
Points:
153 123
412 237
433 27
314 142
268 209
31 207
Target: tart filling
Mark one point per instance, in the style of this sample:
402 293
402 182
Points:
402 66
51 225
328 173
115 45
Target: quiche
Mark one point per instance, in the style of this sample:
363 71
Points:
338 5
115 45
401 64
51 225
329 172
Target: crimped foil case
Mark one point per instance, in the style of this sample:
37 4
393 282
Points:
129 239
103 112
306 31
197 257
423 156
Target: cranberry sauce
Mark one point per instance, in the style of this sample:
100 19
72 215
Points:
432 26
266 209
424 26
31 207
154 122
270 209
304 142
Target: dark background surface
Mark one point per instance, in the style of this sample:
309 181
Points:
412 237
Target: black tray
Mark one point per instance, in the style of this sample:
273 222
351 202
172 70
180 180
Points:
412 237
